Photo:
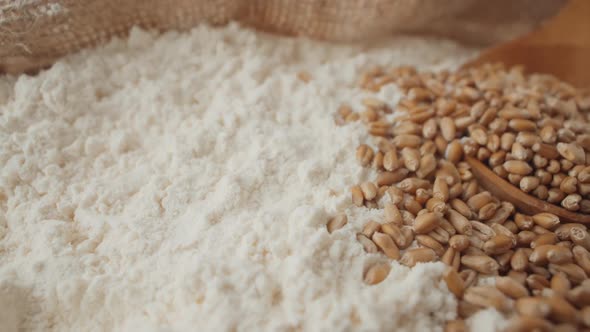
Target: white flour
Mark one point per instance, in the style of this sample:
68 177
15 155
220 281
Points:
183 182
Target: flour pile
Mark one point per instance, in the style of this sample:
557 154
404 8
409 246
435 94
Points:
183 182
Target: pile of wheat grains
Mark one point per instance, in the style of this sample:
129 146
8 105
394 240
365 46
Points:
532 131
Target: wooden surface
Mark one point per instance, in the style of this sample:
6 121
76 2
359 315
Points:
523 202
560 47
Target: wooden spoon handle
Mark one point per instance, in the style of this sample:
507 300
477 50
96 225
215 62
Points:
523 202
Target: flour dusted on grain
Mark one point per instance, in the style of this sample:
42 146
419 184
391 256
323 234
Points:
184 181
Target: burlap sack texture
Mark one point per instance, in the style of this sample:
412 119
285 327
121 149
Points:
34 33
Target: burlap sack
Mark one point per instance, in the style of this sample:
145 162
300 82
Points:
33 33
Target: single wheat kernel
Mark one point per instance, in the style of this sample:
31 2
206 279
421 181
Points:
469 276
560 254
457 325
380 128
487 296
539 161
377 273
514 179
579 295
427 166
389 178
518 167
407 141
519 152
479 136
584 175
572 202
493 143
426 222
357 196
519 260
477 201
394 231
481 264
557 179
386 244
537 280
573 271
555 196
411 158
584 189
561 310
304 76
525 238
337 222
378 161
500 229
569 185
507 140
469 189
522 125
497 159
548 135
461 123
369 190
367 244
527 139
560 284
364 154
408 234
408 217
369 115
374 103
532 306
391 161
440 235
455 190
511 287
459 221
572 152
459 242
544 177
566 165
370 228
529 183
454 282
543 239
429 129
440 189
524 222
504 260
428 147
395 194
546 220
406 127
447 128
540 254
510 225
554 167
580 237
498 244
454 151
418 255
440 143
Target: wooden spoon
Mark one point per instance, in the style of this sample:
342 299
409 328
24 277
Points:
560 47
524 202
